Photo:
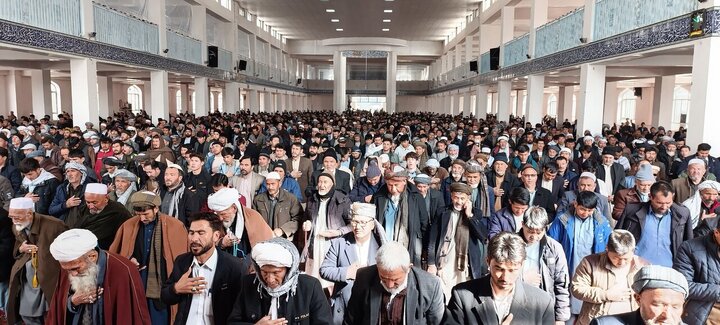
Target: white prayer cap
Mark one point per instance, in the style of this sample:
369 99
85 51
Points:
589 138
273 175
28 147
432 163
502 137
696 161
21 128
96 188
73 244
588 175
22 203
223 199
363 210
384 158
270 253
566 149
485 150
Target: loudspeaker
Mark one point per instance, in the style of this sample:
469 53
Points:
473 66
638 92
299 81
212 56
242 65
495 58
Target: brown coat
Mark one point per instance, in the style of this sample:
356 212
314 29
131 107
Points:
590 284
306 167
622 199
43 232
256 227
682 189
287 211
175 243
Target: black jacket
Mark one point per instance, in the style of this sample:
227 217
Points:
308 306
13 174
45 191
418 219
342 182
618 176
225 287
544 199
509 182
477 245
7 242
633 220
558 187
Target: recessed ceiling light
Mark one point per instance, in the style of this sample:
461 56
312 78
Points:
339 29
386 20
386 29
329 10
334 20
387 11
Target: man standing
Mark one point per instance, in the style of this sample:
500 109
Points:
151 240
248 182
660 226
330 166
298 167
393 291
95 286
280 209
34 274
644 179
205 280
685 187
179 202
68 203
611 172
198 178
704 207
103 217
500 297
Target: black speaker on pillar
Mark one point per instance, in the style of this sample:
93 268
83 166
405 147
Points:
638 92
212 56
495 58
242 65
473 66
299 81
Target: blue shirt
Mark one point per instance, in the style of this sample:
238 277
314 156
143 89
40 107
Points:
584 237
654 244
390 214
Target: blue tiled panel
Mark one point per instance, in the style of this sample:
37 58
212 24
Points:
516 51
62 16
116 28
485 62
184 48
559 35
613 17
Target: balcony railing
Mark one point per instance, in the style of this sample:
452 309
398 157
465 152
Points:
613 17
117 28
184 48
559 35
225 61
56 15
516 51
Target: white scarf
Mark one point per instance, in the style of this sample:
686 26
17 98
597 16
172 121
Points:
122 198
31 184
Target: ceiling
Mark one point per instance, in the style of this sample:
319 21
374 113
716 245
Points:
412 20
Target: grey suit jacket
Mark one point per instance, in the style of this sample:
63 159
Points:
339 257
423 303
306 167
471 302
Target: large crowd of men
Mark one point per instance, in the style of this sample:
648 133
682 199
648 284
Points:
354 218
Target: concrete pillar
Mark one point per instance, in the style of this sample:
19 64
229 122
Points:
231 97
458 55
253 101
507 32
41 101
704 92
83 80
159 103
535 98
504 100
448 103
611 103
105 90
467 105
592 95
185 100
340 82
663 98
391 89
147 97
565 104
268 99
481 92
202 96
11 89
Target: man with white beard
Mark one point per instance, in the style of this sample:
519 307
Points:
35 273
102 217
640 193
95 286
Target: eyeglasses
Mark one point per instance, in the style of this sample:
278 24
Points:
362 224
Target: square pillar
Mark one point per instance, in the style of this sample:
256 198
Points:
253 102
184 97
41 101
83 80
481 94
231 97
565 104
202 96
269 107
160 106
592 98
105 91
610 111
663 98
504 100
466 104
535 99
391 89
340 81
702 119
538 17
507 32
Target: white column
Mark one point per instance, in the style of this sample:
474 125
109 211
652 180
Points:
458 55
11 89
254 103
87 21
147 97
535 99
268 99
507 32
105 90
185 100
504 100
448 104
198 29
481 92
538 17
466 104
280 102
663 98
160 105
592 96
305 105
565 104
231 97
156 12
83 79
391 89
340 82
703 117
41 101
202 96
611 103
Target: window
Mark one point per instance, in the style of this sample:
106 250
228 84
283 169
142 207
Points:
55 99
681 108
552 106
626 103
134 98
226 3
178 101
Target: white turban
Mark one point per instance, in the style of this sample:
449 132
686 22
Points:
694 202
73 244
96 188
270 253
363 210
588 175
22 203
223 199
703 186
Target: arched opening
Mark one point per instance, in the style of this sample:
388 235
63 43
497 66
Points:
178 101
552 106
134 98
681 108
626 105
55 99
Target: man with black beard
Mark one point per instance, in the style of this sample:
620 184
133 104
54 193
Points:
178 201
95 286
248 182
205 281
313 156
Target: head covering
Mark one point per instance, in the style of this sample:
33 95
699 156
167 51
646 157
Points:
588 138
645 173
356 149
485 150
396 172
96 188
554 147
696 161
453 147
566 149
175 166
501 157
709 184
126 174
330 153
272 175
608 151
373 171
22 203
659 277
328 175
145 198
36 153
281 164
112 161
223 199
503 137
278 252
460 187
363 210
28 147
422 179
588 175
432 163
73 244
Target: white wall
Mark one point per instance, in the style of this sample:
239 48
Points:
412 103
320 102
644 106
